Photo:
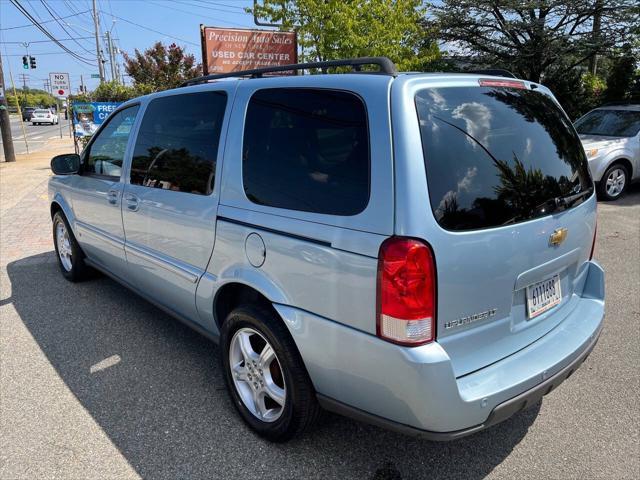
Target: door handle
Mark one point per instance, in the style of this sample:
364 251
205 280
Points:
132 201
112 197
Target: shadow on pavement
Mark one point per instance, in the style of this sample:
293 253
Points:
156 389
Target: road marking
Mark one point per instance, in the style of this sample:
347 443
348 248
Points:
38 137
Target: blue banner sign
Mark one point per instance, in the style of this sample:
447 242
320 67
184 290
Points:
87 117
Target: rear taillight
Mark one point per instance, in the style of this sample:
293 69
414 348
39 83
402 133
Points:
593 244
406 292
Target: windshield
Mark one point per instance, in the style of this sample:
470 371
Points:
497 156
612 123
41 111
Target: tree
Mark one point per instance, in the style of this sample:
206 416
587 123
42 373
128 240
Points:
533 37
161 67
622 75
31 97
335 29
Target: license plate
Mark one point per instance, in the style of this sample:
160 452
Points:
543 296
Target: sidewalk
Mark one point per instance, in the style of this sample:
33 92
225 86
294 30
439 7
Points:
25 224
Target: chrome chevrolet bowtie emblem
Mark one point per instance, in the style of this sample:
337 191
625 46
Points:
558 236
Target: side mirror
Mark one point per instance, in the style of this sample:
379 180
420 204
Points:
65 164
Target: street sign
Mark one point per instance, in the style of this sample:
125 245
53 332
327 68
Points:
95 75
227 50
60 86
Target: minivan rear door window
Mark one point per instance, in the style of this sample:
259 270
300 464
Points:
497 156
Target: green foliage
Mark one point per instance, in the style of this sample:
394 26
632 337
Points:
622 76
593 84
30 98
534 38
161 67
334 29
113 92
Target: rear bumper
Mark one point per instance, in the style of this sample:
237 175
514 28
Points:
415 390
498 414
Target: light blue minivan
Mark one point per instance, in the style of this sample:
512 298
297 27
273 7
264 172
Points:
412 250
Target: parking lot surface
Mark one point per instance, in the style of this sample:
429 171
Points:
97 383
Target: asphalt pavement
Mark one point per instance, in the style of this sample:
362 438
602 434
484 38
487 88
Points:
37 136
97 383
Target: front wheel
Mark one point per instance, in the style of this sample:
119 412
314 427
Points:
265 375
70 256
614 182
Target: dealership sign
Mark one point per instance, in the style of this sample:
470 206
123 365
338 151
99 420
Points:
226 50
60 86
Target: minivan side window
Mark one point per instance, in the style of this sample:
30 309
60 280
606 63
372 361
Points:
307 150
105 155
177 145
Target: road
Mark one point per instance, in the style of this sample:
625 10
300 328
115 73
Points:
97 383
37 135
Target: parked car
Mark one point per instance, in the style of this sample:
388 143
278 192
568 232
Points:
44 115
611 139
412 250
27 112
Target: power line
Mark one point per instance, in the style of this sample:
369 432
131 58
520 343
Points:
46 21
43 41
22 10
220 4
151 29
207 7
53 14
217 19
35 54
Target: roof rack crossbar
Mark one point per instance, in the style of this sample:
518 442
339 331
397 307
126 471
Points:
386 67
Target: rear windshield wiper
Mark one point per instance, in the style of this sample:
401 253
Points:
568 200
550 206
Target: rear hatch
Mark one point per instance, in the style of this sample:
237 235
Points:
510 190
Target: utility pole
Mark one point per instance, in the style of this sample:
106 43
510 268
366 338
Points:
595 34
112 57
25 78
96 24
81 84
5 125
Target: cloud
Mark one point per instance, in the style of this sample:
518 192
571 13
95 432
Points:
477 119
465 183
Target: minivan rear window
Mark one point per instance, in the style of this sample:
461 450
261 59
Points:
498 156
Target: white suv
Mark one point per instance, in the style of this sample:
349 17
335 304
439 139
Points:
611 138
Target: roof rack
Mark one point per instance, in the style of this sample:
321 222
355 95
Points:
387 67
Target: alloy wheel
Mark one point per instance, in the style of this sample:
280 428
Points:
615 182
64 246
257 375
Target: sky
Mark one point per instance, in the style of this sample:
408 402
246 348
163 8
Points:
133 24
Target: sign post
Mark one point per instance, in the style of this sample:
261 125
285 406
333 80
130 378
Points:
226 50
60 86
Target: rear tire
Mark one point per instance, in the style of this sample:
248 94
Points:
68 252
254 386
614 182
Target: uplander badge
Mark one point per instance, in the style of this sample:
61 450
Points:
470 319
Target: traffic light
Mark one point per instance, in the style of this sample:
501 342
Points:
25 62
32 61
